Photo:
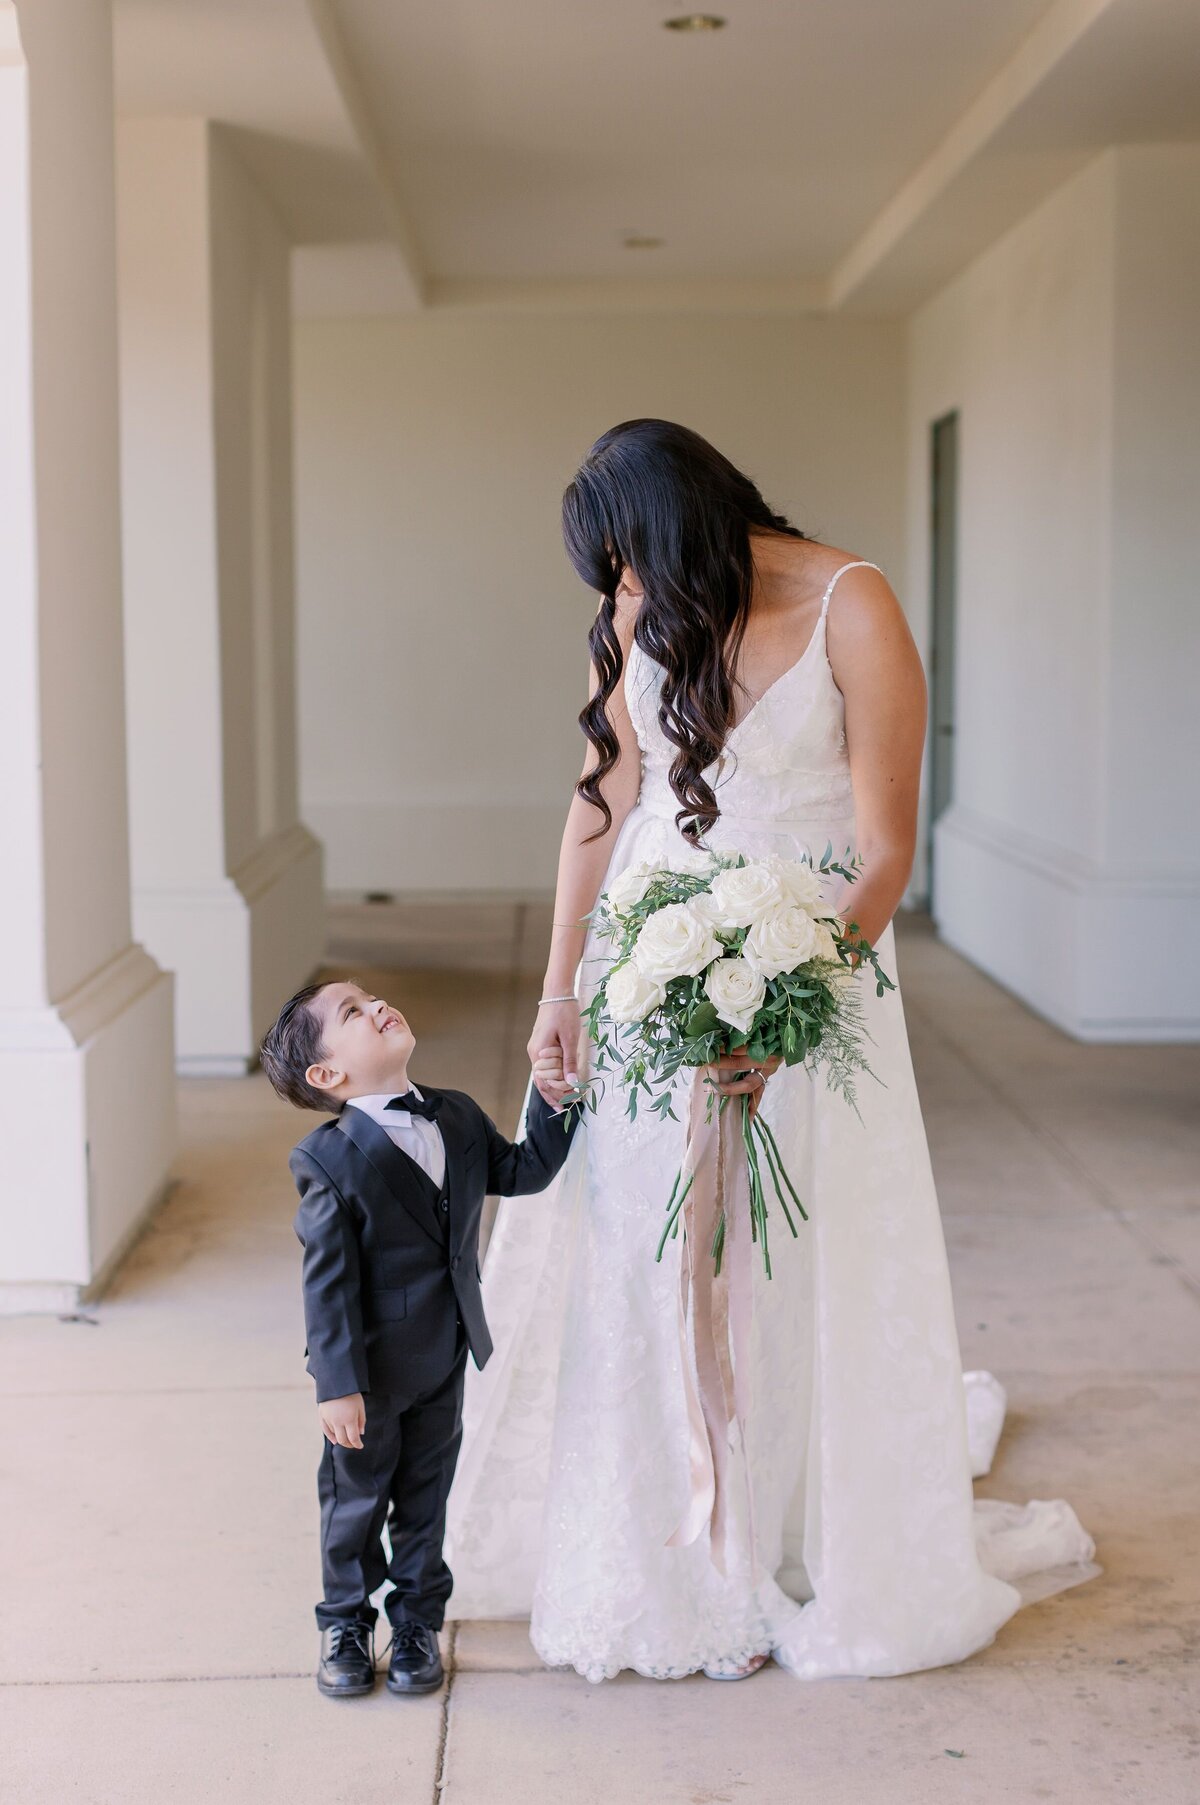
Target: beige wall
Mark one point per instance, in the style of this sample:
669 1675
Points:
443 655
1022 345
1070 350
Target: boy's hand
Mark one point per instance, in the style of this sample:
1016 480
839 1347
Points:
548 1074
343 1420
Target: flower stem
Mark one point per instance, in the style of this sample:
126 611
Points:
774 1170
673 1218
758 1202
766 1128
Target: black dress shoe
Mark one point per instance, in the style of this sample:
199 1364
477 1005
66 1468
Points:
347 1668
416 1663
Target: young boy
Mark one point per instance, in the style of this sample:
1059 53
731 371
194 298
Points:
391 1192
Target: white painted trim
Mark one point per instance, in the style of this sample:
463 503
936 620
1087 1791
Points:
50 1297
34 1297
367 281
657 295
1052 38
256 873
1077 944
238 946
12 56
83 1012
201 1065
1068 870
362 123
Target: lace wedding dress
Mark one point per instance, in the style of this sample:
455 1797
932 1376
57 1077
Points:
862 1439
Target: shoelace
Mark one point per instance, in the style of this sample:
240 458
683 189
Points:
409 1635
357 1634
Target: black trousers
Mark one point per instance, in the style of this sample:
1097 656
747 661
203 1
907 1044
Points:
401 1475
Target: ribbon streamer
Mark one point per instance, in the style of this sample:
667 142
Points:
714 1332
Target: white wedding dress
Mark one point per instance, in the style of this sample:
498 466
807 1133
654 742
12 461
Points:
862 1440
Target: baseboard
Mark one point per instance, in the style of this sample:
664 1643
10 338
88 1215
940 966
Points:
1101 954
91 1128
237 1065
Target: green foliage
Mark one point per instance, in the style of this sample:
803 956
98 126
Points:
807 1016
810 1016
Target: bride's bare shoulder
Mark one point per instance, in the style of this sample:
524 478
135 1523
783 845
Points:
817 563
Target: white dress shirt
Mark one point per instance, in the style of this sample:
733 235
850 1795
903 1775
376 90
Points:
414 1135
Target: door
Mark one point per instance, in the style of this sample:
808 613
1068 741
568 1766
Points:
944 563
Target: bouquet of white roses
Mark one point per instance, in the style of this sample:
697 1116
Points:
740 954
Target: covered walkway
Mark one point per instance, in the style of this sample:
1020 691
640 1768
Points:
161 1448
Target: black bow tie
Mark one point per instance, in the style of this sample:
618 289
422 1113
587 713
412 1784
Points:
417 1106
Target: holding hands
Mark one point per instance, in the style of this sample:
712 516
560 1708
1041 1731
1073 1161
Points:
554 1053
553 1049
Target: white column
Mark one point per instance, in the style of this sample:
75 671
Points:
86 1087
228 889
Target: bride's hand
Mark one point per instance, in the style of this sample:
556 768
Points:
556 1027
720 1076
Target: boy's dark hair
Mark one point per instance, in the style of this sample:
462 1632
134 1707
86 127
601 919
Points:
291 1045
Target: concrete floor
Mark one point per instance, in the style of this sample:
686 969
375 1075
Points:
158 1467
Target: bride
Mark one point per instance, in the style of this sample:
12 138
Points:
756 691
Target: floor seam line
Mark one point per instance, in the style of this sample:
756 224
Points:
439 1772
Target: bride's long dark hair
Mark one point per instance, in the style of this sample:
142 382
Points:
659 500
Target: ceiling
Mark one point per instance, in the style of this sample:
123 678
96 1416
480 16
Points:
815 154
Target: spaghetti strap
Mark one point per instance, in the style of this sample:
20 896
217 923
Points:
855 564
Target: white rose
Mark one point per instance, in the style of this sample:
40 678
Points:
741 893
629 887
674 943
800 882
826 944
736 990
692 859
631 996
782 940
708 910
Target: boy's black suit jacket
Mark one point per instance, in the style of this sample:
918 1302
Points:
388 1272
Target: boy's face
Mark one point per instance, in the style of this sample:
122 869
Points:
367 1043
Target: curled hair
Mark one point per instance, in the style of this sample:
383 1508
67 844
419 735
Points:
660 501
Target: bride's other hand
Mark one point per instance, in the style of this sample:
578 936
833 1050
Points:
721 1076
553 1050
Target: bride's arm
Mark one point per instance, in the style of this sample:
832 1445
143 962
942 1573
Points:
581 867
878 670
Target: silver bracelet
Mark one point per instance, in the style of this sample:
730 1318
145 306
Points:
569 998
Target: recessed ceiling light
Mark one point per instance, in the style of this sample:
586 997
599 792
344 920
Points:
641 241
695 22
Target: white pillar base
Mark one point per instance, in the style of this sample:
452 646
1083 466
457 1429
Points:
1103 956
87 1117
238 950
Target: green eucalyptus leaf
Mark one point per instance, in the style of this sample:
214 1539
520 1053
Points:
703 1020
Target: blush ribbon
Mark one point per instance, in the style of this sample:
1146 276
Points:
715 1313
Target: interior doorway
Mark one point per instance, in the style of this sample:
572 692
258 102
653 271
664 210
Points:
943 568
